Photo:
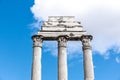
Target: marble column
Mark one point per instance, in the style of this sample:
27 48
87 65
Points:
36 64
62 59
87 55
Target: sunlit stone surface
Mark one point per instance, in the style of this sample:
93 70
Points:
61 23
62 29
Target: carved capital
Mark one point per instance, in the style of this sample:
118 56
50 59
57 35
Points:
86 41
37 40
62 41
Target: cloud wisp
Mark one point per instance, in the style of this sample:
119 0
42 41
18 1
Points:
117 60
99 17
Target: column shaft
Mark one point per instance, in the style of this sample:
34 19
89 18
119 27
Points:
36 64
62 59
87 55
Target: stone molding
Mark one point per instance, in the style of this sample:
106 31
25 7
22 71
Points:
37 40
86 42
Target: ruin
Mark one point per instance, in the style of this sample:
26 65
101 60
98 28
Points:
62 29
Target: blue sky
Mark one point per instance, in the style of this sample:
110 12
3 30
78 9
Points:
16 19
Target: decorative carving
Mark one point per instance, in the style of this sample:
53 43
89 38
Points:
62 41
86 41
71 34
37 41
61 23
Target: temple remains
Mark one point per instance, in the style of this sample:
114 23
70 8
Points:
62 29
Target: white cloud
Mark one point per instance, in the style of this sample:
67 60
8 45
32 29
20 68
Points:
45 8
117 60
51 47
104 25
101 18
74 47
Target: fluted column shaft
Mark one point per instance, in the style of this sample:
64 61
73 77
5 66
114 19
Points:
87 55
36 64
62 59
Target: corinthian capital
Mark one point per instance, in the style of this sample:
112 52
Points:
86 41
37 40
62 41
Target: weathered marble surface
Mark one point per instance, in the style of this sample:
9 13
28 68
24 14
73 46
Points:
87 56
62 29
54 35
62 58
36 63
61 23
